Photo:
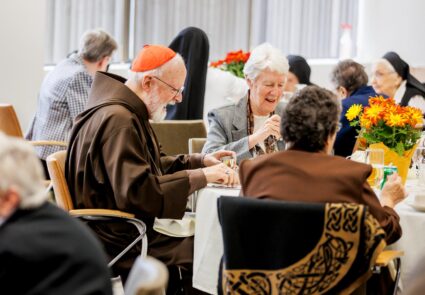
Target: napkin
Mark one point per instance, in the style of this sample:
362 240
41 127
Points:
179 228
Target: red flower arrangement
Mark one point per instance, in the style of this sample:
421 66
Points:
233 63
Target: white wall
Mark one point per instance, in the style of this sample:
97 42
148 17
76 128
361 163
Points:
383 25
392 25
22 32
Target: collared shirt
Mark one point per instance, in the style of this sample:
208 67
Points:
416 101
63 95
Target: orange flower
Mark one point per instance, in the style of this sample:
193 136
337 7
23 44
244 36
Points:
365 122
396 120
414 116
387 122
377 100
373 113
234 62
217 63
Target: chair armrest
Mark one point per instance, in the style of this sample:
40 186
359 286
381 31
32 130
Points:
48 142
101 212
386 256
107 214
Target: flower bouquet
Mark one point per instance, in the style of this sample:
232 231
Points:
233 63
388 126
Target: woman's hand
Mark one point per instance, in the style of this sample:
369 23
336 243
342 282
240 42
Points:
270 127
393 191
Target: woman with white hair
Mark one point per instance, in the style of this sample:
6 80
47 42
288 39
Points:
391 77
251 127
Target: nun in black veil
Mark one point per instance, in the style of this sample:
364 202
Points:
192 44
391 76
299 73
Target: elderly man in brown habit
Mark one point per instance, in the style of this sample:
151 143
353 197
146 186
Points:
114 159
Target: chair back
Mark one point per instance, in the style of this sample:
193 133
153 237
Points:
296 248
148 276
173 135
56 167
9 123
196 145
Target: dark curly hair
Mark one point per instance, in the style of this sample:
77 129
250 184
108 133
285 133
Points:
310 117
350 75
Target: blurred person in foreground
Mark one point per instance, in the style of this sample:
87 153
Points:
65 91
350 81
391 77
251 126
43 250
307 172
114 160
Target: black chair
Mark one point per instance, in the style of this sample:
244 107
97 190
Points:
278 247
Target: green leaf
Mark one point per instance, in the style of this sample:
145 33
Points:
399 148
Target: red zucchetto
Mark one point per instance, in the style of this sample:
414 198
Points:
151 57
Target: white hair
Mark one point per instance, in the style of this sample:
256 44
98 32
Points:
265 56
21 170
159 71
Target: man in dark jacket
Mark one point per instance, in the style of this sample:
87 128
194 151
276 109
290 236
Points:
114 159
42 249
350 80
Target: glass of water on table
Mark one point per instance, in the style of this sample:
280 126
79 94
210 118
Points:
375 157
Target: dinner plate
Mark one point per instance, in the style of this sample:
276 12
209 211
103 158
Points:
218 185
416 206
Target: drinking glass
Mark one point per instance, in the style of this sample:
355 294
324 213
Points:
418 160
375 157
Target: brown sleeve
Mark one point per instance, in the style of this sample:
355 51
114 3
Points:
197 180
387 217
171 164
136 188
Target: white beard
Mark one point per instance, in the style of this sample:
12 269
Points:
159 115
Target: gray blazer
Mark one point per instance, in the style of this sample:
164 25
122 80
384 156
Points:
228 130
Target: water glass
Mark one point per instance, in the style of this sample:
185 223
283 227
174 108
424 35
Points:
418 160
375 157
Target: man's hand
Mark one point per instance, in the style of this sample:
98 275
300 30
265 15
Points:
214 158
393 191
221 174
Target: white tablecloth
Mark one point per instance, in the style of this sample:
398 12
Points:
208 247
412 242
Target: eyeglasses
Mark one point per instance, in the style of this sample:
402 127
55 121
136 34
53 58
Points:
178 91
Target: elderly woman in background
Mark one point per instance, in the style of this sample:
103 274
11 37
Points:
391 77
251 127
299 73
307 172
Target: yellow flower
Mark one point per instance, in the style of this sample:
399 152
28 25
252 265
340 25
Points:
397 127
395 120
353 112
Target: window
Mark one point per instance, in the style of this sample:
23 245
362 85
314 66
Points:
306 27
